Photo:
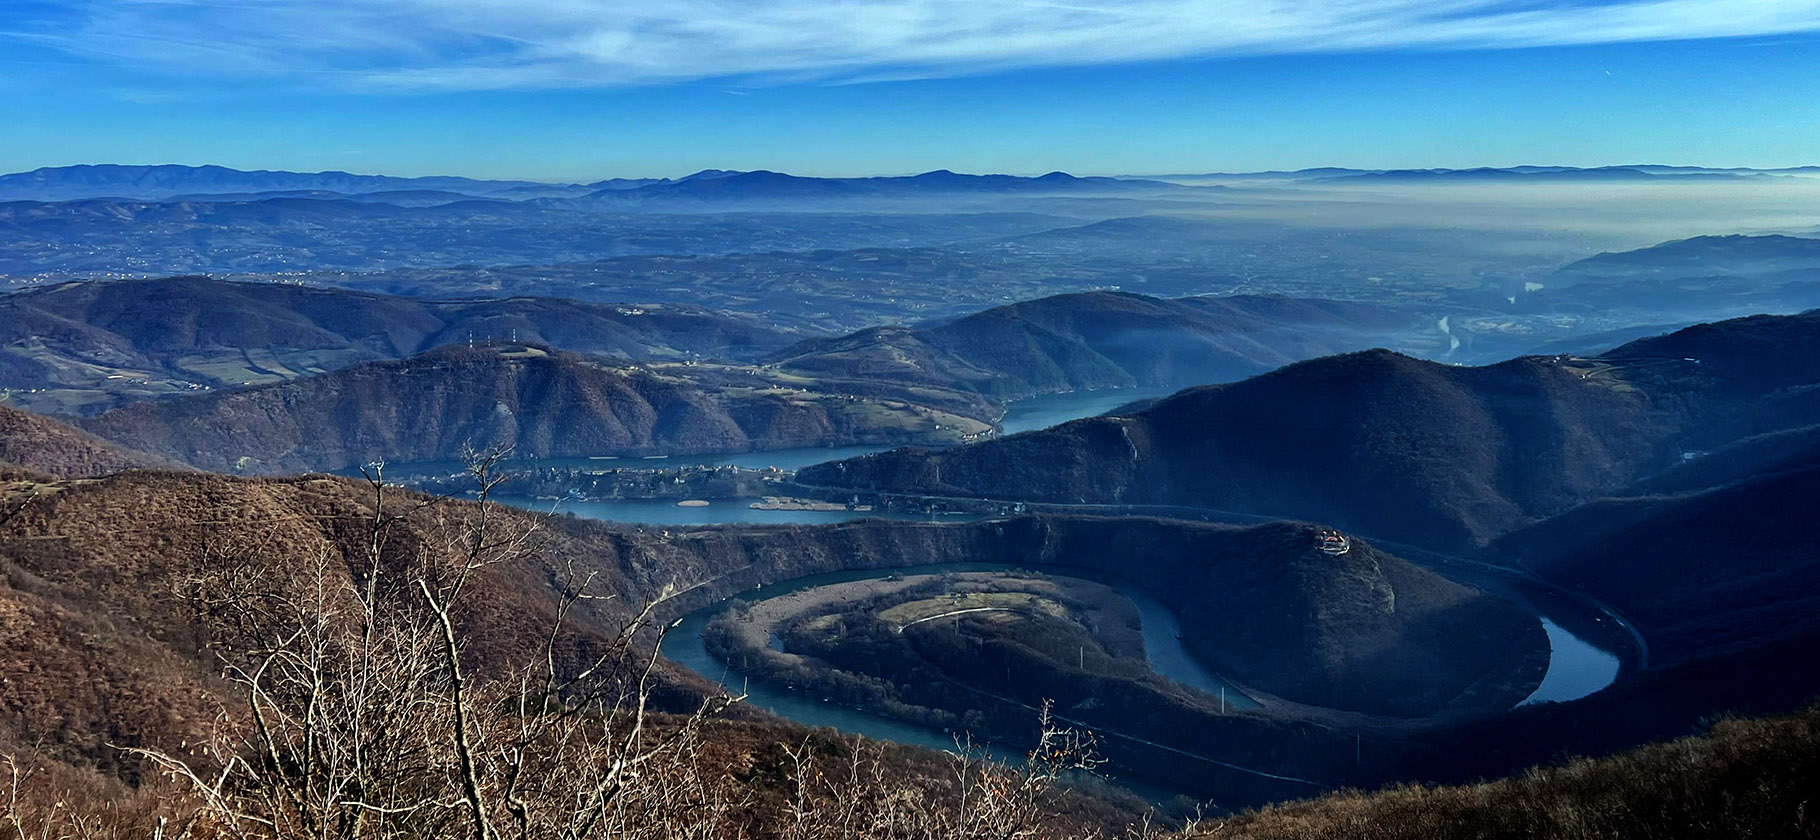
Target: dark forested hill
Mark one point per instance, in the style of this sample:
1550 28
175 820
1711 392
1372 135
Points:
541 402
1411 450
1373 441
1698 572
1104 340
86 346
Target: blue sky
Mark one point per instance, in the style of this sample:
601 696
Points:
585 89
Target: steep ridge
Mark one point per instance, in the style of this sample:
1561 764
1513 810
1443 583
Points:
1387 445
101 343
1753 457
1372 441
1700 573
1103 340
542 403
31 444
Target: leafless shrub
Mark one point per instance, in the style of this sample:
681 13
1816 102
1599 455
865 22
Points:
981 797
34 806
364 717
370 706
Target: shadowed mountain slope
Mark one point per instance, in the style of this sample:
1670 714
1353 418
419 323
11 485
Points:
1699 573
1373 441
1416 451
1700 256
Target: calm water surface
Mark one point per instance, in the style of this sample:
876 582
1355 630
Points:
1576 668
1021 415
717 512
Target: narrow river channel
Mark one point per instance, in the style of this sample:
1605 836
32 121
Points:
1166 653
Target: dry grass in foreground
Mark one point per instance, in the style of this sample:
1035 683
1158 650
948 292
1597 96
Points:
1744 778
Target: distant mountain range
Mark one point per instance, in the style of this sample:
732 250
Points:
83 348
168 183
1544 174
64 183
1514 174
172 182
764 186
1689 280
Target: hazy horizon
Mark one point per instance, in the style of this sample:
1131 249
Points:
673 175
585 89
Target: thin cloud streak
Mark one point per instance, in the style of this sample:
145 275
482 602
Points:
508 44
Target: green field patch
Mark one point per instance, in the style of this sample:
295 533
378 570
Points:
913 611
231 368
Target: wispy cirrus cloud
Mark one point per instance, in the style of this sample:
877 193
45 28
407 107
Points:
499 44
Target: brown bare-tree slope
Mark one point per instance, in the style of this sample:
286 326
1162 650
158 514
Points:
31 443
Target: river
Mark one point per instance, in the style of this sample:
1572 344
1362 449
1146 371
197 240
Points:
1162 644
1576 667
1052 409
716 512
1020 416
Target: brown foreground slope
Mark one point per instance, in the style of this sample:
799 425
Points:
1743 778
94 570
114 636
33 443
100 652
